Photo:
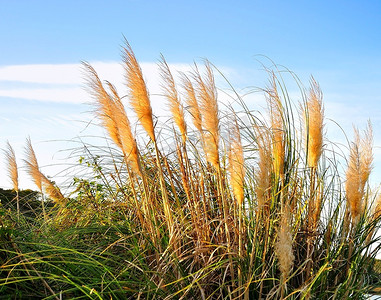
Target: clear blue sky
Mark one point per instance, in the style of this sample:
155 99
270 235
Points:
339 42
301 34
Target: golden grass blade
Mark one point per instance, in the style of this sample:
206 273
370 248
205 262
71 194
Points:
170 92
314 120
139 97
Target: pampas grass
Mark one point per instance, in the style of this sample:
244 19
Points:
233 205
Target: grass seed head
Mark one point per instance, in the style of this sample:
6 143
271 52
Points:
12 166
210 117
138 93
170 92
314 119
236 165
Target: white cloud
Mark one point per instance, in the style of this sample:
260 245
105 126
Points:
63 95
49 74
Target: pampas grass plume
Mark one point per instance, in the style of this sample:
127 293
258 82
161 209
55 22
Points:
314 125
236 166
192 103
32 165
12 166
170 92
138 94
358 171
210 120
283 246
277 129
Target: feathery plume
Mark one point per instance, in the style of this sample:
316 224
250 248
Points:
110 110
314 125
32 165
277 129
236 166
283 246
171 94
128 143
263 177
104 106
12 166
358 171
366 154
52 190
192 103
139 97
210 119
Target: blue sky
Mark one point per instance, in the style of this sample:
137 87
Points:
43 43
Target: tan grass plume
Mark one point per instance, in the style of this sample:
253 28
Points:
358 171
283 246
170 92
236 165
52 190
192 103
12 166
32 165
210 117
128 143
277 128
104 106
263 175
110 110
314 119
138 93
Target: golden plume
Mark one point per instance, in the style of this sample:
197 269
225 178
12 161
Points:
139 97
104 106
192 103
236 165
283 246
263 175
171 94
358 171
52 190
128 143
277 128
12 166
210 120
110 109
314 119
32 165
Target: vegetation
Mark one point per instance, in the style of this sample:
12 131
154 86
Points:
229 204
